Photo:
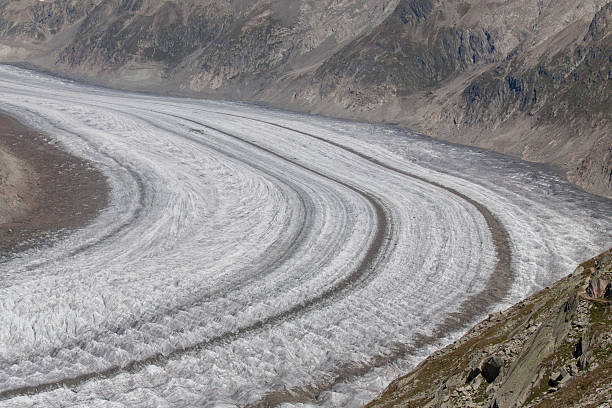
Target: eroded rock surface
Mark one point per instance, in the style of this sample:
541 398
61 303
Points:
556 348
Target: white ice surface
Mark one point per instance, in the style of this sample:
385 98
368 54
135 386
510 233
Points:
231 245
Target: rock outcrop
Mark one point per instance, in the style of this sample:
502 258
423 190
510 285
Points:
529 78
491 367
553 349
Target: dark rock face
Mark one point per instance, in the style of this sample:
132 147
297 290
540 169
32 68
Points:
236 47
114 36
569 91
396 59
165 35
491 368
578 350
600 26
472 374
411 9
46 18
549 90
584 361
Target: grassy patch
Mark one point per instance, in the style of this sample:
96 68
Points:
603 354
565 352
599 315
481 393
541 388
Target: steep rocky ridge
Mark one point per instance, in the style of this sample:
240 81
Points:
553 349
529 78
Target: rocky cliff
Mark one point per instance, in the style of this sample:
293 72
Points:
553 349
529 78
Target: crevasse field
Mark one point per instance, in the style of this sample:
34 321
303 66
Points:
258 256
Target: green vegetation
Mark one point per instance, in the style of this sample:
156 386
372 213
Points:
481 393
600 314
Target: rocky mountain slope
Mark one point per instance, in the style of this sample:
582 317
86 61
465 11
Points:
232 48
526 78
529 78
553 349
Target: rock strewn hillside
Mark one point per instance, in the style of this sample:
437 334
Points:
411 51
566 97
553 349
233 48
529 78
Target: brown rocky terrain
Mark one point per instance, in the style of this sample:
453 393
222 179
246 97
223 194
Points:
43 189
530 78
553 349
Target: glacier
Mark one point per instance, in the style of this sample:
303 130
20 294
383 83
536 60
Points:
257 256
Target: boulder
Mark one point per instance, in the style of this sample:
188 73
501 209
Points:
491 367
578 349
573 368
558 378
598 288
584 361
